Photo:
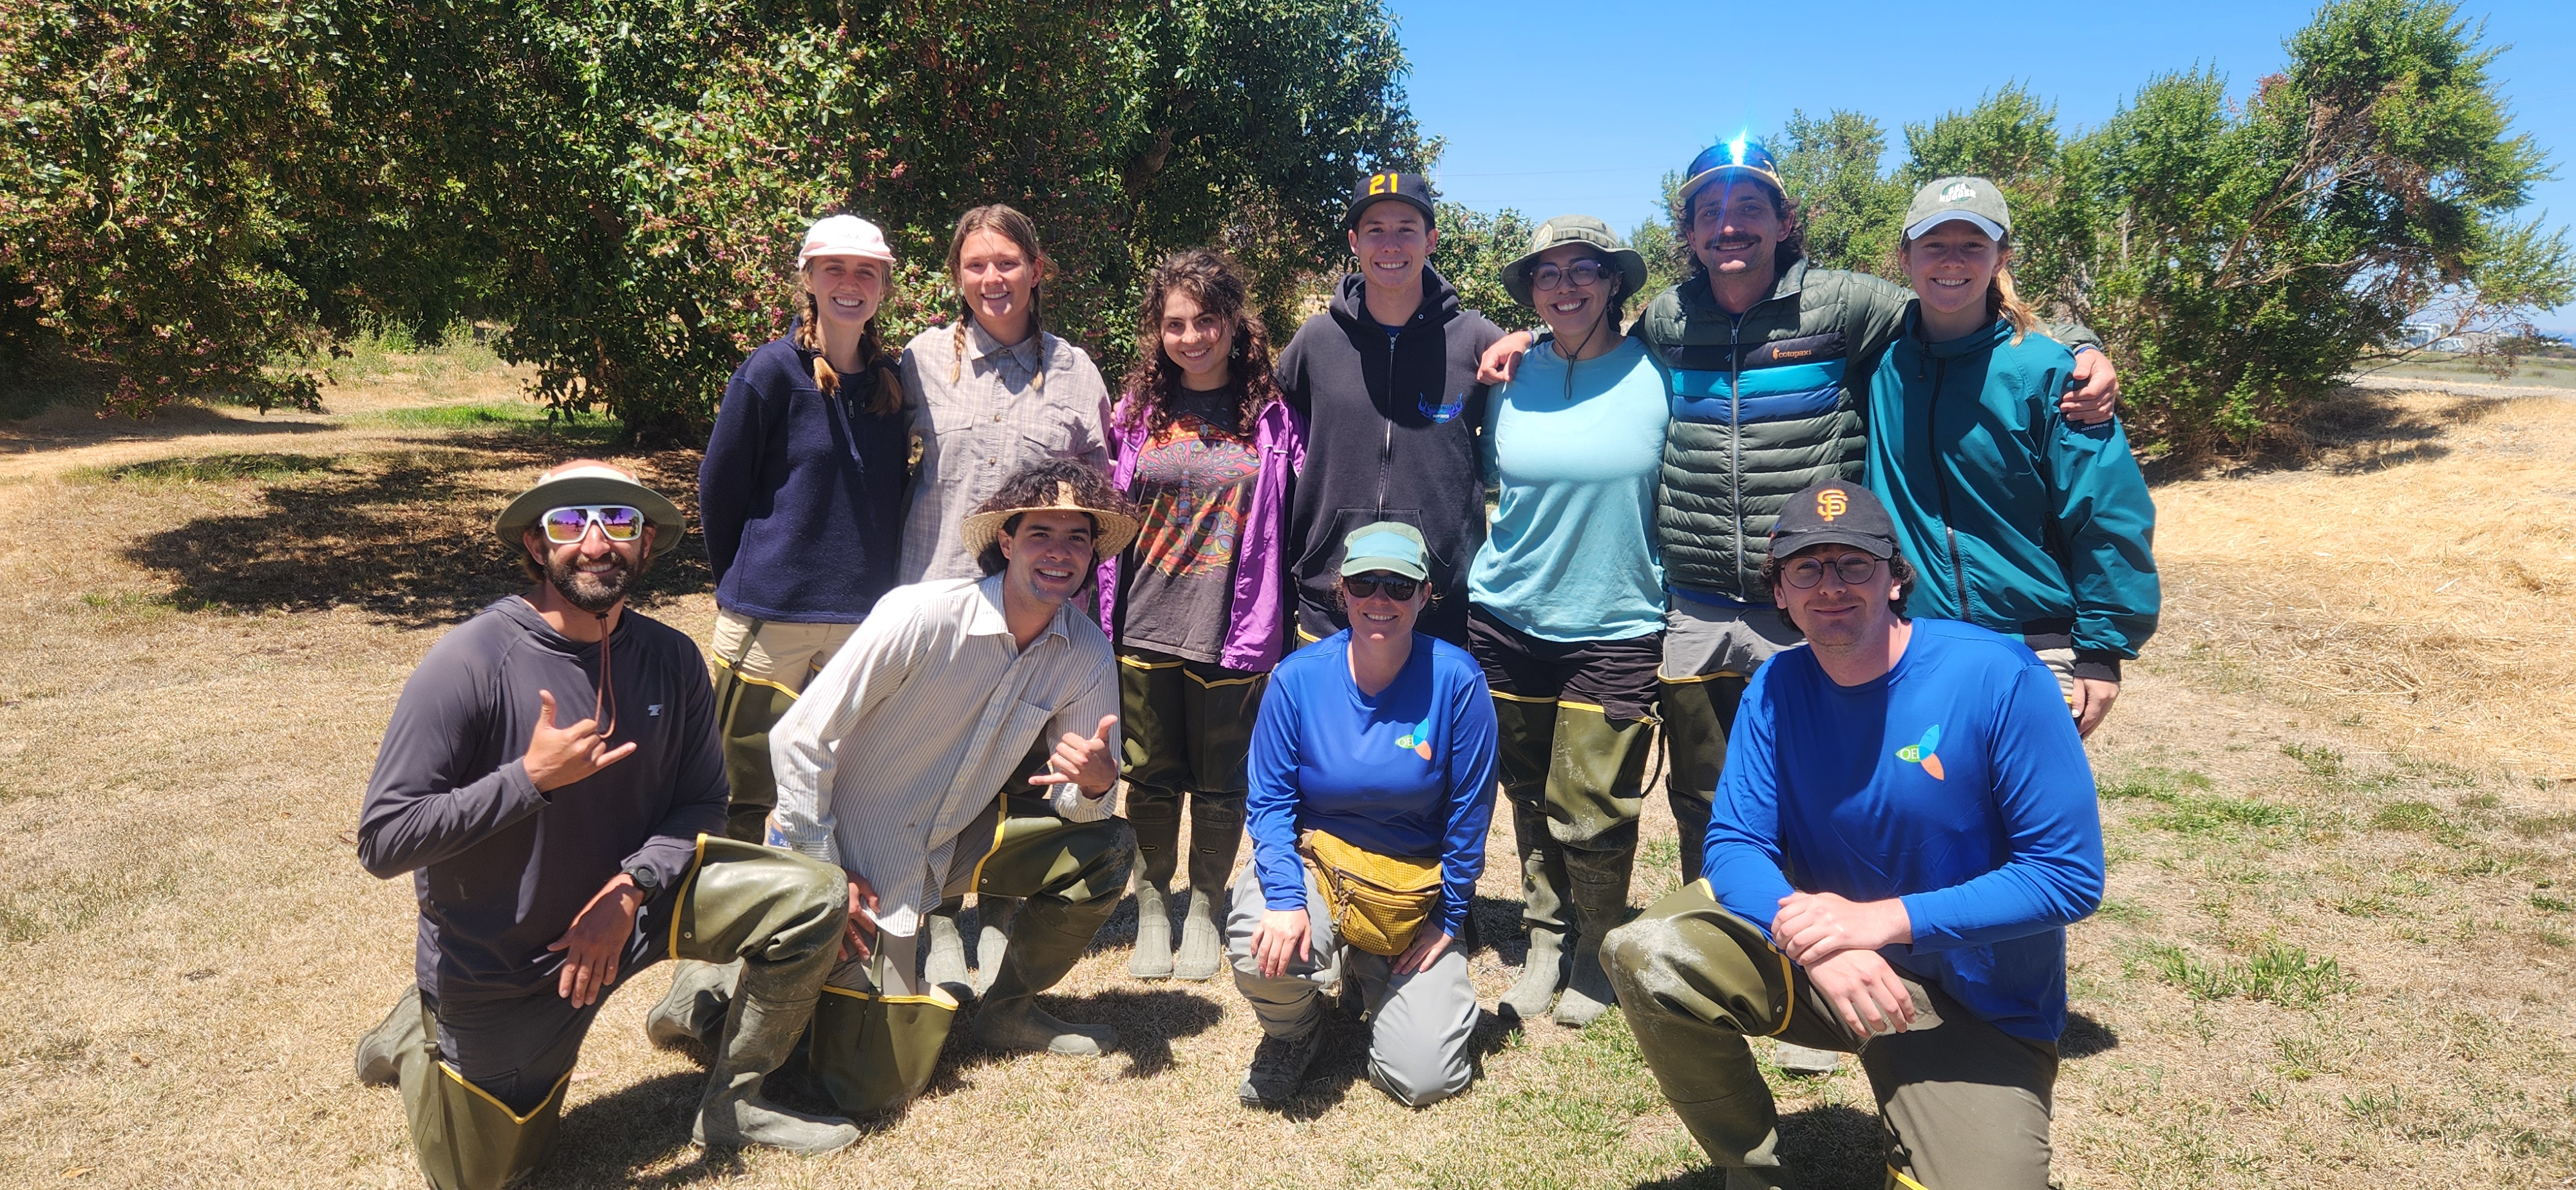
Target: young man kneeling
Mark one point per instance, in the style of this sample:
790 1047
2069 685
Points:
1923 790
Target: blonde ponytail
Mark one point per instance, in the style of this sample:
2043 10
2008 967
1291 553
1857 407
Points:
2003 300
809 338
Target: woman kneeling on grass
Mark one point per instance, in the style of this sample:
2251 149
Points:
1206 449
1372 775
2023 523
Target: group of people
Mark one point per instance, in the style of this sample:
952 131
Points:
983 629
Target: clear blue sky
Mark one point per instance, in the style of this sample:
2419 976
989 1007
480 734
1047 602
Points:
1581 107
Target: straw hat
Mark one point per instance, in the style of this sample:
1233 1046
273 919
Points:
1116 528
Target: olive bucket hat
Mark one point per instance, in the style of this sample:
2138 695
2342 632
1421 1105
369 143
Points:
1574 229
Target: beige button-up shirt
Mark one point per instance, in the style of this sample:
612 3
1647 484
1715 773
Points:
918 721
980 421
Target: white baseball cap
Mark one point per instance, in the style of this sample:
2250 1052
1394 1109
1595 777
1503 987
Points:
844 235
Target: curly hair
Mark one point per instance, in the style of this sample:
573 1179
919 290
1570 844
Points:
1218 287
1897 568
1039 484
1785 251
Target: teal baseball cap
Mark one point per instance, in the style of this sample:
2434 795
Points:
1391 546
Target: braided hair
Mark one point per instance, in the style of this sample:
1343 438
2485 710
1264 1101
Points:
873 357
1218 287
1007 222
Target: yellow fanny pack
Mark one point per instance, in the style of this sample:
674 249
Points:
1379 902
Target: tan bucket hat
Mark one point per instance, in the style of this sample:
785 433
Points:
1116 528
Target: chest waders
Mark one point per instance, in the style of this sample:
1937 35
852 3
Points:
776 918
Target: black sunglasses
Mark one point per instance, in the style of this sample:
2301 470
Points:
1397 589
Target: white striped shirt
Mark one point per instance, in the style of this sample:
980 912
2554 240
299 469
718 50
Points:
917 723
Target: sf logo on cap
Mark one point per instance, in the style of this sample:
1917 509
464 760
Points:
1831 503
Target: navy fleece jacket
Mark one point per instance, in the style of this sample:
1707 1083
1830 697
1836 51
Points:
801 495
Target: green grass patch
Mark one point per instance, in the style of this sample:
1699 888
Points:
2303 1058
2285 975
218 468
2546 824
2185 806
486 415
2325 764
2407 816
2124 911
2549 904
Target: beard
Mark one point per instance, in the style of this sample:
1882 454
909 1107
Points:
593 593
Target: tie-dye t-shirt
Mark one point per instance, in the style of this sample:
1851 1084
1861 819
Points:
1193 484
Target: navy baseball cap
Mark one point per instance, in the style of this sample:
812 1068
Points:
1410 189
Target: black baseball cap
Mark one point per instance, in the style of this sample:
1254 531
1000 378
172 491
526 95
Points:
1409 189
1728 158
1834 512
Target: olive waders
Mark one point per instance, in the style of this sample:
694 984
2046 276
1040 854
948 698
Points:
1963 1105
1575 778
1185 726
770 918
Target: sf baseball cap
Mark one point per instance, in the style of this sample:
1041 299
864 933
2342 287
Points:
1834 512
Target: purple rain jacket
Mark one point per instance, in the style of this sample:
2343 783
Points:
1255 640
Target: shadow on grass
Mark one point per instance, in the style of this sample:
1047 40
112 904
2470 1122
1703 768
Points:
2085 1037
1828 1147
403 535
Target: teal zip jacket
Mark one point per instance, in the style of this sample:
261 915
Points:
2018 521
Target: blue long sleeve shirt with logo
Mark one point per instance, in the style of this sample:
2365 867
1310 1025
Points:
1409 772
1954 782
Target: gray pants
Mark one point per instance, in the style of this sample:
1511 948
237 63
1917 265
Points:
1418 1024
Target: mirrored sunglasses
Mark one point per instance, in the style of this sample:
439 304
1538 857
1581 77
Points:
617 522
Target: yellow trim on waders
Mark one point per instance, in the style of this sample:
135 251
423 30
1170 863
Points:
1692 681
1140 663
932 997
680 903
1897 1178
739 676
1528 698
488 1097
1788 970
1595 708
1001 821
1245 681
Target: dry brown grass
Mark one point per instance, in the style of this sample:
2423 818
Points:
184 733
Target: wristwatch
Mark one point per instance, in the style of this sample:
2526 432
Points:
647 881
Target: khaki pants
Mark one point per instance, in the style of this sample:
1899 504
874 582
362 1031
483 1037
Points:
761 666
1964 1106
1419 1024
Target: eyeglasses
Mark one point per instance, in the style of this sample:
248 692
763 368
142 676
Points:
1397 589
1586 273
1852 569
617 522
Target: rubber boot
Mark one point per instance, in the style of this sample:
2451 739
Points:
1600 880
945 966
1047 937
1595 778
745 712
1154 813
771 1004
1543 910
993 940
1153 957
695 1007
381 1049
1542 974
1216 837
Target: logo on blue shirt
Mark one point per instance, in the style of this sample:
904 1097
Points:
1419 739
1921 752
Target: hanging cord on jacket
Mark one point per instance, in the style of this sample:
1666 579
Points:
603 710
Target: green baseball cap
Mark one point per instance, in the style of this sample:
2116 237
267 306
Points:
1574 229
1975 201
1391 546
